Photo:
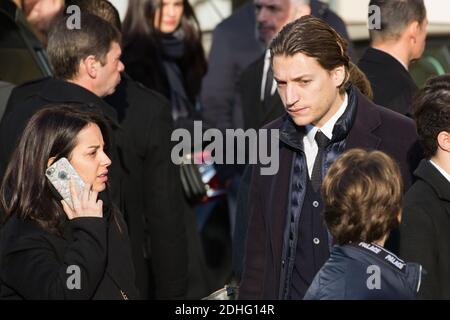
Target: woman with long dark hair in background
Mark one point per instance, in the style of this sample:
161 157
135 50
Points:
162 49
50 249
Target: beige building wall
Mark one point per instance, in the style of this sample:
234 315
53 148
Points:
354 13
356 10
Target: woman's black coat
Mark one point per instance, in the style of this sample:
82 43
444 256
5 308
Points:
36 264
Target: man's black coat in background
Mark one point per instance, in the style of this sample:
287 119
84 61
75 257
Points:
425 230
146 116
392 85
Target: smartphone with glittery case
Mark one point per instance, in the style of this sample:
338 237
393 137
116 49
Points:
60 174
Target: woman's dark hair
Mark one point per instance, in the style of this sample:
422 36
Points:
142 42
51 132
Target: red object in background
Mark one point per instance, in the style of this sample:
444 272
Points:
214 189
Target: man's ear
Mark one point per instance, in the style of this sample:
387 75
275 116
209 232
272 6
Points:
338 75
50 161
443 140
413 31
90 66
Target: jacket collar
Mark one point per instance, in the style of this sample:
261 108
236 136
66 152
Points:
428 173
292 135
386 60
60 91
372 254
367 120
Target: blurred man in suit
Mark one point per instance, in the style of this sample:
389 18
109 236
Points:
399 42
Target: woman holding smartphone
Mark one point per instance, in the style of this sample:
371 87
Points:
48 249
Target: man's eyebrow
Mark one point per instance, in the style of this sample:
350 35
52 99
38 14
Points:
299 78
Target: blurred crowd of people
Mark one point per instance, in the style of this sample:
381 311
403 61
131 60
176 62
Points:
364 175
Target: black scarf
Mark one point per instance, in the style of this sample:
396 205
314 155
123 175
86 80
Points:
173 52
292 135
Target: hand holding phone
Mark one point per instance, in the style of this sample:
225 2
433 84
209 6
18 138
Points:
78 199
60 173
84 206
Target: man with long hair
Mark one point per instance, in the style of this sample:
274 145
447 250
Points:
287 240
